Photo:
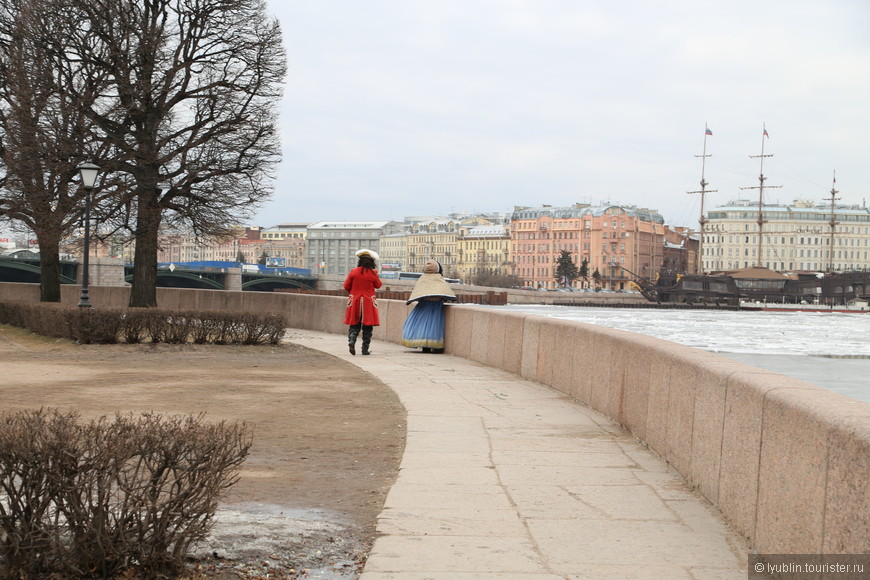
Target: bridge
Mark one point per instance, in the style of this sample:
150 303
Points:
198 275
219 276
27 270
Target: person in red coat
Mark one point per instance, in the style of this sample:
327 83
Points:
362 306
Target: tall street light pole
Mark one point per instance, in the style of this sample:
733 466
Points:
88 172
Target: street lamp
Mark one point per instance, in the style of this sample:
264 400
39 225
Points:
88 172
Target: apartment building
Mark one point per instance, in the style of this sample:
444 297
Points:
185 246
394 252
435 239
284 231
332 246
794 237
247 243
614 240
483 250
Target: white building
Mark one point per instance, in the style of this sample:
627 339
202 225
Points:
332 246
285 231
794 237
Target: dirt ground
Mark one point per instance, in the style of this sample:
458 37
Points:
327 439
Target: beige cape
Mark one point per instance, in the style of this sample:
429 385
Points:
431 284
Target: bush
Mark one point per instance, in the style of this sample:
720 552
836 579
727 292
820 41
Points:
224 330
89 325
95 499
208 326
134 325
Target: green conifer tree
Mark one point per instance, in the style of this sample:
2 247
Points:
566 269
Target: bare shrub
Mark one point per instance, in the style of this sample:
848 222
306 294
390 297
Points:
226 326
157 325
91 325
276 327
250 329
51 321
179 326
30 525
98 498
44 319
171 327
207 326
134 326
6 313
260 328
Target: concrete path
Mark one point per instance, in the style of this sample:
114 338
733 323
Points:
506 478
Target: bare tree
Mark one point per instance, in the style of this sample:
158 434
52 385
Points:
191 111
43 135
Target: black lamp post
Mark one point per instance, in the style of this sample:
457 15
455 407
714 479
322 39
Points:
88 172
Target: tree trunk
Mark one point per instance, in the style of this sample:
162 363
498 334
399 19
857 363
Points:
49 267
143 294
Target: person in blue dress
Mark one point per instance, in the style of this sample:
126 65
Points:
424 327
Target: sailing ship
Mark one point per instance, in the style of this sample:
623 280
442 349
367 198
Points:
763 289
758 287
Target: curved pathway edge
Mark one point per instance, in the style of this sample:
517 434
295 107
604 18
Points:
506 478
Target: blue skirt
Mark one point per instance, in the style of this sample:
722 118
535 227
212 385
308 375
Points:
424 326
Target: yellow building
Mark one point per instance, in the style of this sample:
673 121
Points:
433 240
483 250
394 253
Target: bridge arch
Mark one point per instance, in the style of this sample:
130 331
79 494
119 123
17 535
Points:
30 272
271 283
167 279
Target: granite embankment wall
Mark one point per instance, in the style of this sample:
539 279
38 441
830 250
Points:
787 463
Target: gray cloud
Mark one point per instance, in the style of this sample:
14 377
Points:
397 108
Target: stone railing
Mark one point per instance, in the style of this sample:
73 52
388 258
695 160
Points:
787 463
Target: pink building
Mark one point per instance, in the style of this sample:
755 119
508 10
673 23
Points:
614 241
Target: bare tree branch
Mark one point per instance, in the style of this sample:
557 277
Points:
192 113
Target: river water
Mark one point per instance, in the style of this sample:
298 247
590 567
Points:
831 350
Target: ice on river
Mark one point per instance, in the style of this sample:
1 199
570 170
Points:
831 350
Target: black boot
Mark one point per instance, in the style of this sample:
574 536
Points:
367 338
352 333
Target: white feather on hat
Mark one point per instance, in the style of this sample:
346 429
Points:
365 252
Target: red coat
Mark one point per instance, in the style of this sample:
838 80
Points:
362 304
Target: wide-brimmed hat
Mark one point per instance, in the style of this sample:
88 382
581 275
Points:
371 253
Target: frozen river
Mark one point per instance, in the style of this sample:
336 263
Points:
826 349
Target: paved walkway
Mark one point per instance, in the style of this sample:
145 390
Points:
507 478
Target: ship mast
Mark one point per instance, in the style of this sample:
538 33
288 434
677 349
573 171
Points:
833 223
703 191
760 187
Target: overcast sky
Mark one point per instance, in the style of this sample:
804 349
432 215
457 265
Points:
395 108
